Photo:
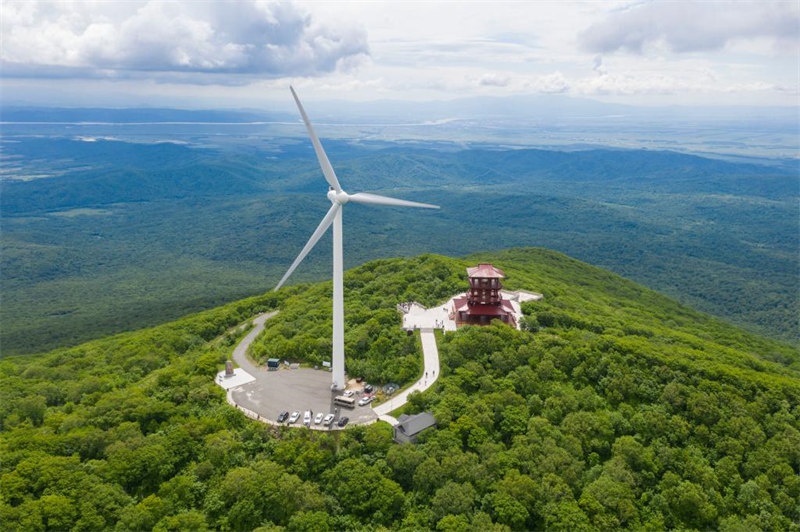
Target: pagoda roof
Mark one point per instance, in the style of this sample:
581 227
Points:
460 305
485 271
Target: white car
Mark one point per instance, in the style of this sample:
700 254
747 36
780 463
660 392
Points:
349 393
294 417
307 417
328 420
318 418
365 400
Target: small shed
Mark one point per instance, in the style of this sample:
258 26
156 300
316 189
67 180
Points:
409 427
273 364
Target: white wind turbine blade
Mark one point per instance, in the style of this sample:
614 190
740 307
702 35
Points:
374 199
321 228
324 163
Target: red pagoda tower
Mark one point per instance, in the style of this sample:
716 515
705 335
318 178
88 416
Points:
483 302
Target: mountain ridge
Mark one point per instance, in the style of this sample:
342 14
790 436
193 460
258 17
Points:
614 407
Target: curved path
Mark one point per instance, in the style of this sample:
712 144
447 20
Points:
430 354
240 353
430 372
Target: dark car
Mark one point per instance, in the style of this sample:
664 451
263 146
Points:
282 416
369 388
343 421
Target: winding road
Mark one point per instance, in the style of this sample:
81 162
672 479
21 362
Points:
240 353
430 372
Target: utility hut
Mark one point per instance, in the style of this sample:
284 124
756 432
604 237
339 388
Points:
409 427
483 302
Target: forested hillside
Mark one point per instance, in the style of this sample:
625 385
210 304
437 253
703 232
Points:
615 407
105 236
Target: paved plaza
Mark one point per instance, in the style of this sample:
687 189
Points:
273 392
415 316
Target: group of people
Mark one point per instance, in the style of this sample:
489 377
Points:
425 382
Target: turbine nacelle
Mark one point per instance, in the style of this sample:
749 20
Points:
341 197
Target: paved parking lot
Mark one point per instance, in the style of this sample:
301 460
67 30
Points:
302 389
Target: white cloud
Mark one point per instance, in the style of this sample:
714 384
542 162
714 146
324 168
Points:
247 52
693 26
249 37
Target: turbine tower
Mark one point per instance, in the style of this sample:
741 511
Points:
338 198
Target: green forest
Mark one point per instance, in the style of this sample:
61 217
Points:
125 235
614 408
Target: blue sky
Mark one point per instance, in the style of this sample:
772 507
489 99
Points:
245 53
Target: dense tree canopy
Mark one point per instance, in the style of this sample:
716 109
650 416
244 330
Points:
614 408
171 229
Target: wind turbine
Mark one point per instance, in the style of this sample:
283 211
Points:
338 198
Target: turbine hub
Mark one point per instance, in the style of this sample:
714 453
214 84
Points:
338 197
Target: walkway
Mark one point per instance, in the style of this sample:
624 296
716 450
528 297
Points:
419 317
430 354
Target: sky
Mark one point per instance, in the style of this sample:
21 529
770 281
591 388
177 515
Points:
245 53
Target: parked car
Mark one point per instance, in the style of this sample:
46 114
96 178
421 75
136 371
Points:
282 416
343 421
328 420
369 388
348 393
294 417
318 418
367 399
307 417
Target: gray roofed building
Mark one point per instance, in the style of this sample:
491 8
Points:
409 427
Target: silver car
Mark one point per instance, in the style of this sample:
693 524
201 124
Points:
364 401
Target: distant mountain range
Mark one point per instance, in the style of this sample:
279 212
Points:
520 108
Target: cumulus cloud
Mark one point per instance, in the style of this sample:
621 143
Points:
243 37
693 26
